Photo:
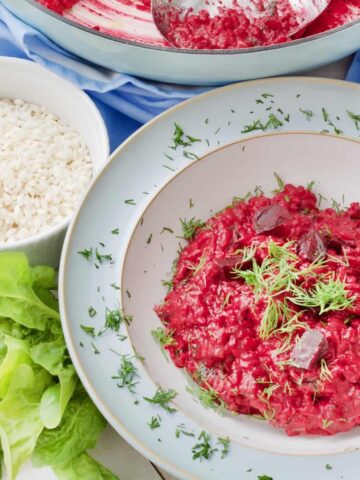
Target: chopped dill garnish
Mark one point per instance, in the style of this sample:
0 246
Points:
130 201
203 449
128 293
225 443
155 422
92 312
169 168
325 423
328 295
325 373
328 466
180 139
265 477
162 398
168 157
114 318
181 430
189 227
89 330
190 155
280 182
355 118
325 115
116 231
208 397
268 391
308 114
196 268
258 100
310 185
86 253
126 374
163 337
167 283
267 95
103 257
148 241
96 350
166 229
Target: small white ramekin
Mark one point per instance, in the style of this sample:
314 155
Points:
33 83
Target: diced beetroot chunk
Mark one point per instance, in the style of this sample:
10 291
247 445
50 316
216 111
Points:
308 351
312 245
270 217
229 261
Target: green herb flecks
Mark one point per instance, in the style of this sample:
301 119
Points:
181 139
308 114
86 253
327 295
181 430
203 448
92 312
162 398
88 330
225 444
130 201
264 477
328 466
114 318
208 397
127 374
155 422
325 373
199 266
278 280
101 257
190 227
163 337
355 118
280 182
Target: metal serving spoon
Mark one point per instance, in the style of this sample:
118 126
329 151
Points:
171 15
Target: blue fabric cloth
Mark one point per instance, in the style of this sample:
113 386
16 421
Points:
125 102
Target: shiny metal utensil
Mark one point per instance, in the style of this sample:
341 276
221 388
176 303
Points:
177 18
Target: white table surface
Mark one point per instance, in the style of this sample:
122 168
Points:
112 450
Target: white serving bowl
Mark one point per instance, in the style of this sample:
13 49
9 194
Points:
30 82
189 67
212 182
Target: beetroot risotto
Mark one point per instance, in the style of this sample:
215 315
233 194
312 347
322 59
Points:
264 311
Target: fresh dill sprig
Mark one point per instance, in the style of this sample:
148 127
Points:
196 268
203 449
162 398
327 295
325 373
163 337
180 139
127 374
189 227
114 318
280 182
155 422
208 397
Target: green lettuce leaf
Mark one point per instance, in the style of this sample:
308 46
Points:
18 300
17 353
20 420
78 431
53 357
81 467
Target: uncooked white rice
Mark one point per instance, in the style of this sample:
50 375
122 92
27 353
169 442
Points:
44 169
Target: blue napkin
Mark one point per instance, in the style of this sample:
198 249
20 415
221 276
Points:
125 102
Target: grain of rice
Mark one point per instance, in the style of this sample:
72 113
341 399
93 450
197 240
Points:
44 169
